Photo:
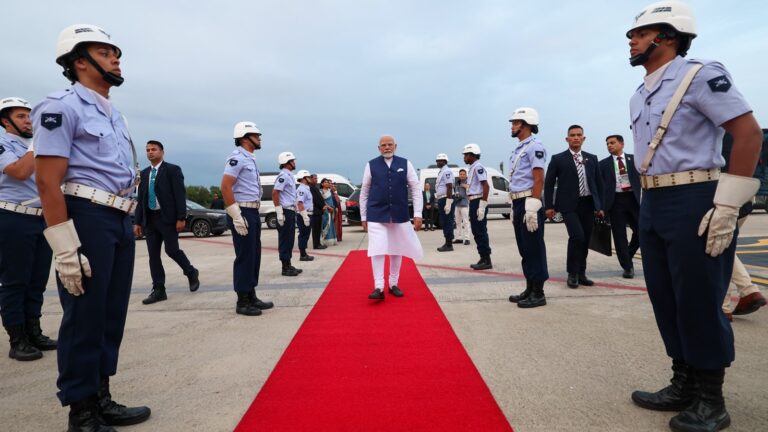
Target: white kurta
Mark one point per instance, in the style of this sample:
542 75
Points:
393 238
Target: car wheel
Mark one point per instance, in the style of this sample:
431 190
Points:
271 221
201 228
558 218
505 215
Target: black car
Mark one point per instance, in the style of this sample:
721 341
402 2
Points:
353 208
203 222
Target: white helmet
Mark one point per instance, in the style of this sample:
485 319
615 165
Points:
14 102
676 14
442 156
244 128
72 36
285 157
302 174
526 114
471 148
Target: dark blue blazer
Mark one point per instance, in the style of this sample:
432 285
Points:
608 174
562 171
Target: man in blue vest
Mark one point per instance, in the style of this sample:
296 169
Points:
387 181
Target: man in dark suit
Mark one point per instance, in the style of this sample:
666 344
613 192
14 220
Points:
217 203
429 205
621 200
161 215
578 199
316 220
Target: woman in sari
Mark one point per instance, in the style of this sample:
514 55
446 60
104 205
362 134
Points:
338 217
328 234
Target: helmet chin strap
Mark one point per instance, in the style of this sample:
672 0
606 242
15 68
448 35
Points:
643 57
255 145
109 77
19 132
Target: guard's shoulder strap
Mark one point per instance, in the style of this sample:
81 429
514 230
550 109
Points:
668 113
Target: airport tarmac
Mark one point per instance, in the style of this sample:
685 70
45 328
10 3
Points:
568 366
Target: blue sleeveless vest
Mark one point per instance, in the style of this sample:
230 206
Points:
388 196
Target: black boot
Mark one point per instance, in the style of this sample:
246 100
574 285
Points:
21 349
157 295
305 256
245 304
115 414
536 298
707 413
288 270
262 305
677 396
194 279
84 417
36 337
483 264
447 247
523 295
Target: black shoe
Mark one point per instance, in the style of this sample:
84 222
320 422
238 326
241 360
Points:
262 305
395 291
157 295
708 412
377 294
584 281
36 337
573 281
21 349
466 242
306 258
457 241
675 397
447 247
535 298
289 270
194 280
245 306
320 247
84 417
483 264
115 414
523 295
297 270
629 273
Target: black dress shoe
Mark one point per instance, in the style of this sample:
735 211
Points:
628 274
297 270
194 280
483 264
157 295
584 281
306 258
573 281
447 247
377 294
395 291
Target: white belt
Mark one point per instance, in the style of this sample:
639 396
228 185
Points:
474 197
679 178
291 208
249 204
99 196
441 196
18 208
523 194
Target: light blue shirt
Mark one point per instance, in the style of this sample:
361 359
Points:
531 154
476 175
242 166
13 148
693 139
444 178
304 196
72 124
286 184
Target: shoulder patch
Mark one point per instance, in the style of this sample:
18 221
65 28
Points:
281 180
50 121
233 162
539 154
480 171
2 149
719 84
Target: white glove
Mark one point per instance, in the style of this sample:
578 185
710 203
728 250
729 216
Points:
70 264
448 204
304 217
241 225
720 222
531 218
280 215
481 209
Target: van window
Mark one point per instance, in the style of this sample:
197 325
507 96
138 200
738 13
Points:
431 181
344 189
500 183
266 193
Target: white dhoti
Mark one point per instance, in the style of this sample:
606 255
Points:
393 239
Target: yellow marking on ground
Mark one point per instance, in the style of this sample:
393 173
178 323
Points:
761 242
759 280
752 252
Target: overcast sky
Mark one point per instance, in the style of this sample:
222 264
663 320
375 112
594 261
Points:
324 79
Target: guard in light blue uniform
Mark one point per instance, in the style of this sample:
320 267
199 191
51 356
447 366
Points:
477 193
689 210
25 258
444 195
86 167
241 191
526 184
304 209
284 198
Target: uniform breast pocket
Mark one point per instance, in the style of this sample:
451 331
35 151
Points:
102 138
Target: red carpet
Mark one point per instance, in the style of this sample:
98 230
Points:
359 365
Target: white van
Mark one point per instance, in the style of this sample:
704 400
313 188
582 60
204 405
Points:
344 188
498 192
